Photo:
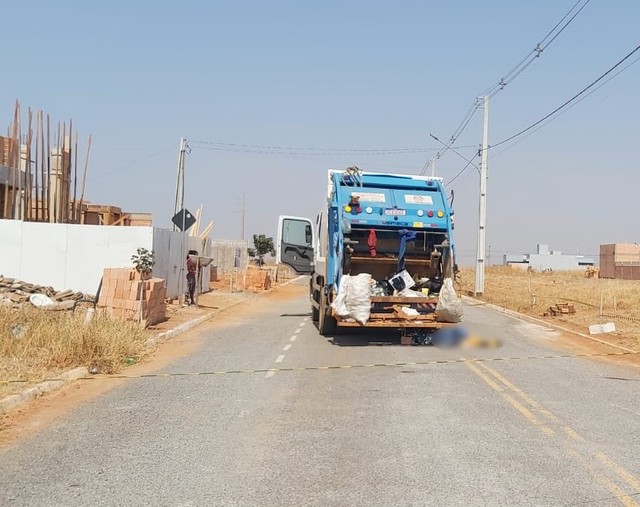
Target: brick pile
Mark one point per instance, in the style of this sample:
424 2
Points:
124 295
254 279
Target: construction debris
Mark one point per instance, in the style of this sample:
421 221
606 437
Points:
16 293
560 309
592 272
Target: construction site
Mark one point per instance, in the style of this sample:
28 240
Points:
44 168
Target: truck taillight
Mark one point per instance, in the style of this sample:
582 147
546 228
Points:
440 214
430 213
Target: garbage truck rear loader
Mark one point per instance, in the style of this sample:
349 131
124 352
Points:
396 228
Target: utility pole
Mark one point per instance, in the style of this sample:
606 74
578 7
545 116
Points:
179 201
482 212
433 166
179 205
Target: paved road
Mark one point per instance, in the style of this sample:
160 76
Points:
519 432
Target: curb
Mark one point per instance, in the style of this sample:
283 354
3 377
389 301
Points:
14 401
22 398
527 318
289 282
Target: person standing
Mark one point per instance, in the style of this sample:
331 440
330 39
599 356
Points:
192 269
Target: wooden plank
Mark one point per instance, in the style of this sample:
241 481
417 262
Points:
399 324
404 299
388 260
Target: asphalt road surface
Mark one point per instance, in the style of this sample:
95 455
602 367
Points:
529 431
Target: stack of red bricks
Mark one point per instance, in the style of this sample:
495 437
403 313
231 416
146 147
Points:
124 295
257 279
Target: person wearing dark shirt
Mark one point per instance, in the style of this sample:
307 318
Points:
192 268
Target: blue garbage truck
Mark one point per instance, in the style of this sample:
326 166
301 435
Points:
396 228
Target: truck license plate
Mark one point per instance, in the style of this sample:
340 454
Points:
395 212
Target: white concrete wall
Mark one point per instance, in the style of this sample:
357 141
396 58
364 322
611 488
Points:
66 256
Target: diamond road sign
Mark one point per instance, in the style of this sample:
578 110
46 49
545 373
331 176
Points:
183 218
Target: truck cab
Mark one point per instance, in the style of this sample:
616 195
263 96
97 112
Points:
375 223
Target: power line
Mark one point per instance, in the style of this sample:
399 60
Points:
554 33
567 102
457 152
459 174
530 57
127 166
566 110
242 147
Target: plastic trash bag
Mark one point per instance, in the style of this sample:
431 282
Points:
339 304
354 298
449 307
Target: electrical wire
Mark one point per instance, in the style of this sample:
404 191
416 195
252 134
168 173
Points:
460 173
574 104
241 147
516 71
567 102
554 33
457 153
127 166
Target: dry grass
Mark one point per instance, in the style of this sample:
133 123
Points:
532 293
36 344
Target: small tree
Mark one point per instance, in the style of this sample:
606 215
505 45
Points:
143 262
251 252
263 246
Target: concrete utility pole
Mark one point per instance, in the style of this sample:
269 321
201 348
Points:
433 166
179 205
482 212
179 202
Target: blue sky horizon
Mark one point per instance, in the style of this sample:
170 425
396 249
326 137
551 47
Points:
271 96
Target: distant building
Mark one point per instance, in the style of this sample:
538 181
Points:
620 260
546 260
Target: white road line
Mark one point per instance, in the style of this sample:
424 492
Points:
270 374
297 330
287 347
280 358
293 338
303 323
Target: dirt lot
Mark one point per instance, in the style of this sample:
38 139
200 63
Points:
533 293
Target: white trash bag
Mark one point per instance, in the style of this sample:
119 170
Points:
339 303
449 307
354 298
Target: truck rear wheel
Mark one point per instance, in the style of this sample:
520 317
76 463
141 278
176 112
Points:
327 325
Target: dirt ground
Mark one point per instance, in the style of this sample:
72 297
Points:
533 293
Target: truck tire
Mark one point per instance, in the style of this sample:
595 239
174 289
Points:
314 297
327 325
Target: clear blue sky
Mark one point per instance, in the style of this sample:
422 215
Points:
138 75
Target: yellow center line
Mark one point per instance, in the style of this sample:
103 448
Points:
526 413
510 385
573 434
620 471
618 493
624 474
